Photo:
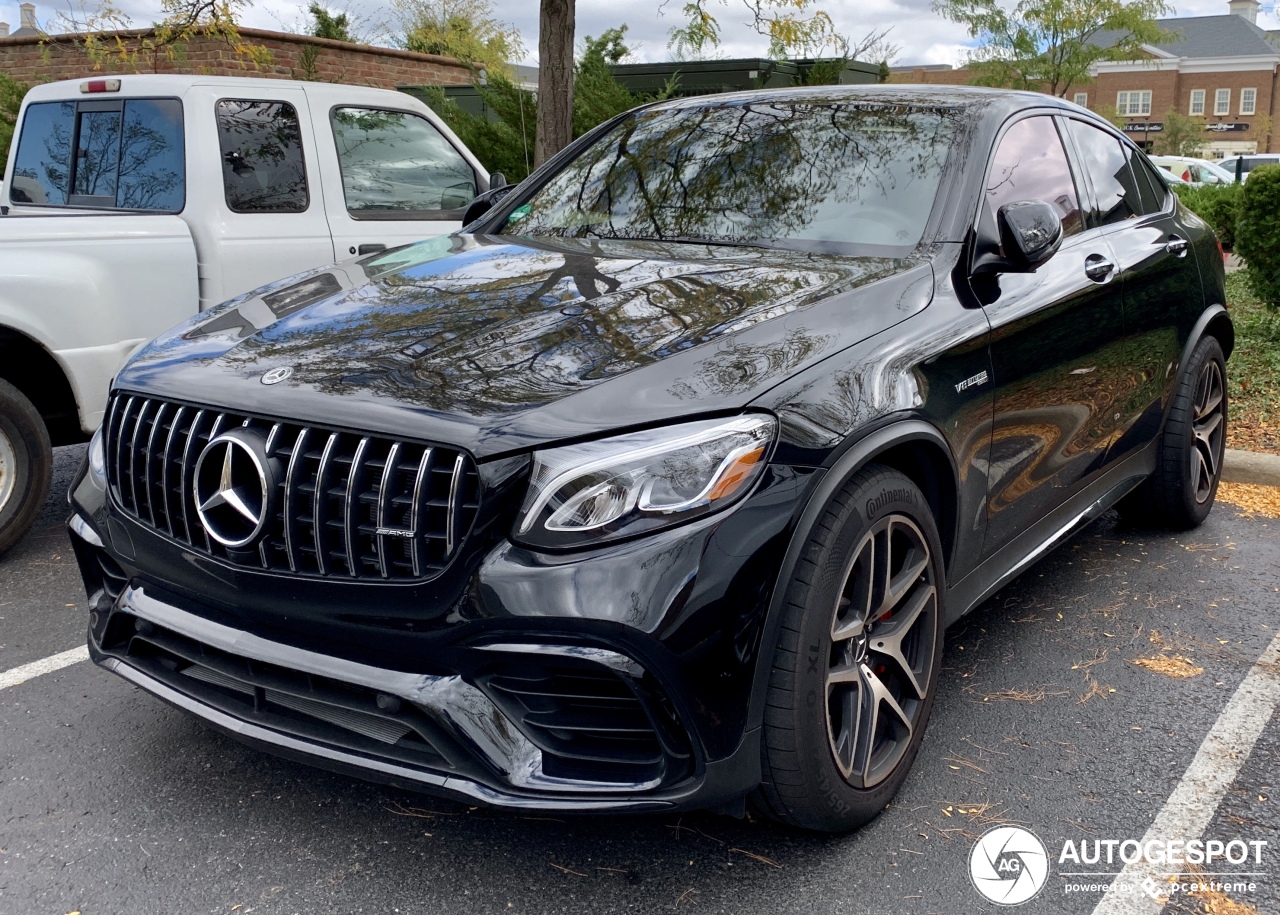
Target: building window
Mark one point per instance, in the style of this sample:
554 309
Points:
1248 101
1134 102
1197 101
1082 99
1222 101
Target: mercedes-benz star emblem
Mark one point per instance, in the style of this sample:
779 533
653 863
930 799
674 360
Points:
235 487
276 375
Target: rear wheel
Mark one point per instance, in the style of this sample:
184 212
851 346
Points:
26 464
1189 454
855 671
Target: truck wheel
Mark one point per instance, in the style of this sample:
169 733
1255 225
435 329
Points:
26 464
856 666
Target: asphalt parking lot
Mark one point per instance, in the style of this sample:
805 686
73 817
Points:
110 802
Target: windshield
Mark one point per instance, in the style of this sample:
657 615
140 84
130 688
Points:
795 173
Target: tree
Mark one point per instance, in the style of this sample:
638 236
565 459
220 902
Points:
1050 45
463 29
793 27
325 24
184 20
11 93
555 78
1180 135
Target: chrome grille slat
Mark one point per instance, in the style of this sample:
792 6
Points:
338 490
349 521
291 498
164 473
384 499
319 499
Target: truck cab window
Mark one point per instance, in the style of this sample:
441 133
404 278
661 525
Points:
394 161
262 166
128 154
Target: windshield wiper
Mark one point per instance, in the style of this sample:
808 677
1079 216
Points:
719 243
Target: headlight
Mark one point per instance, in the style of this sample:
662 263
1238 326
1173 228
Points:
97 456
631 484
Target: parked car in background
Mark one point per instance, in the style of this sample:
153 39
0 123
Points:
658 490
133 202
1194 171
1248 163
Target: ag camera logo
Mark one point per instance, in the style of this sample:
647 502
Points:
1008 865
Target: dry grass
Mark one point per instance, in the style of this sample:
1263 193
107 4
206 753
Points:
1021 695
1254 500
1177 666
1216 903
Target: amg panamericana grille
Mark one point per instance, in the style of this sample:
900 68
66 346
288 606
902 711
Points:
348 505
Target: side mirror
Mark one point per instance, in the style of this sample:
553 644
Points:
1030 233
483 203
497 179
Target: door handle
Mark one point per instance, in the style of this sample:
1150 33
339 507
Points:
1098 268
372 248
1176 245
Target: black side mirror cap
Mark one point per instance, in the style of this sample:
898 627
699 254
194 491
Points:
497 180
483 203
1030 233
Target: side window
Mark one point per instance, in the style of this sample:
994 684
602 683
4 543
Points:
1030 164
262 166
393 161
1152 192
1103 159
128 155
42 170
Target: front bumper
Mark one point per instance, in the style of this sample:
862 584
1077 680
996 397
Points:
541 687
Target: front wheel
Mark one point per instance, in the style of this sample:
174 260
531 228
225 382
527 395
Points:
856 667
26 464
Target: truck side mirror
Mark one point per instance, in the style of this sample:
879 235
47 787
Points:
483 203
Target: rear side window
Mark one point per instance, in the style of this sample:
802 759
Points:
128 154
1104 160
1152 191
393 161
1030 164
262 166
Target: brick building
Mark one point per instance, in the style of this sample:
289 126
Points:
32 57
1223 69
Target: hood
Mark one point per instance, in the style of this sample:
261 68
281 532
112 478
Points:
498 344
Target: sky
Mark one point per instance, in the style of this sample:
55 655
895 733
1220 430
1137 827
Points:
922 36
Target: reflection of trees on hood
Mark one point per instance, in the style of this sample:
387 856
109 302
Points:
743 171
533 323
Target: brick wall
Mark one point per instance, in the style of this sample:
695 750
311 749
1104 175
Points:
34 60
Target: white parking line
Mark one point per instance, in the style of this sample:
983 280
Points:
43 666
1190 808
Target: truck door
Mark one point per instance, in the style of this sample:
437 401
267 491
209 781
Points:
265 217
398 175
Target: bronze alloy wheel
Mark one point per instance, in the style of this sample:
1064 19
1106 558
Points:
882 646
1209 430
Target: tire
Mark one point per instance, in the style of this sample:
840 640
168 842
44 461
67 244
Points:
832 672
1180 493
26 464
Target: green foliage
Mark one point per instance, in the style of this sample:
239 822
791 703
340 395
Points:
1253 375
794 28
11 93
504 142
1258 232
1216 204
325 24
463 29
1047 44
1182 135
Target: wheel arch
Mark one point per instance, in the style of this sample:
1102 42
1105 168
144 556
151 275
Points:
33 370
1216 322
910 445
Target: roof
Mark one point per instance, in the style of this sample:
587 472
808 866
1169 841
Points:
1207 36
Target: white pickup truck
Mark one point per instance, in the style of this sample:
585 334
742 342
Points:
130 202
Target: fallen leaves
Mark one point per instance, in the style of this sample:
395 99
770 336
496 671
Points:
1251 498
1177 666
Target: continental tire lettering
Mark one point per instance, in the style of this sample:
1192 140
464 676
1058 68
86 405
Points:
874 505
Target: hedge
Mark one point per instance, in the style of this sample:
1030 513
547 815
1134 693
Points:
1258 232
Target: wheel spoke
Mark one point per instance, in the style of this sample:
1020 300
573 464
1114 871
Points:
888 640
844 705
878 700
1209 403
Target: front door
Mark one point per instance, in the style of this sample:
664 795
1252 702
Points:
1053 343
